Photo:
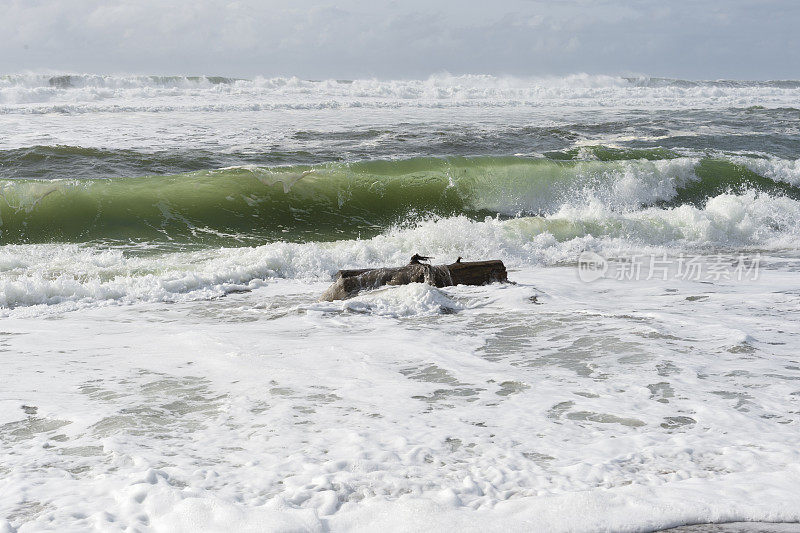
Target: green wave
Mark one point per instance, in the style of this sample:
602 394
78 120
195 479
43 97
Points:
717 176
335 201
607 153
291 203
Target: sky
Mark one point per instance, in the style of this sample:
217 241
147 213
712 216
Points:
691 39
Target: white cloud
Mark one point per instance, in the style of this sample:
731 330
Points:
347 38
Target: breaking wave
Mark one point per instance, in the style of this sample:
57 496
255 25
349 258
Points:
77 275
340 201
80 93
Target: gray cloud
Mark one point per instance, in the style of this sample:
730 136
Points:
312 38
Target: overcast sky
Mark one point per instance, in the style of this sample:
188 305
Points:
745 39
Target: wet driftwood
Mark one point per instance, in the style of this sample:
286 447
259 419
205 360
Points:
349 282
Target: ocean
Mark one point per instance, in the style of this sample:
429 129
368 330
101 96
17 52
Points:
167 366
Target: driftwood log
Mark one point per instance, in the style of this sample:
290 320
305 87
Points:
349 282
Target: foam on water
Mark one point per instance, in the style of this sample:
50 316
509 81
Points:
80 276
774 168
166 365
90 93
636 401
415 299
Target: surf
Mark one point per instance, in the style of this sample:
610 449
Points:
299 203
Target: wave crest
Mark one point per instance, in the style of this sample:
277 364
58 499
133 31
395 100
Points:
251 204
46 93
74 276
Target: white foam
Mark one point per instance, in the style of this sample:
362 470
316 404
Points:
785 170
79 276
613 405
93 93
415 299
616 185
624 406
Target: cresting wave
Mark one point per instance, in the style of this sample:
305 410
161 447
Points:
75 81
80 93
247 205
73 276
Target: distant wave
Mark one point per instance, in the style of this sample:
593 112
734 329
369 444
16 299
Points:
82 93
77 81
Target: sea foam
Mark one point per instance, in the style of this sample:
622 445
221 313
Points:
49 274
35 93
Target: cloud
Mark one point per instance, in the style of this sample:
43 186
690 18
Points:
347 38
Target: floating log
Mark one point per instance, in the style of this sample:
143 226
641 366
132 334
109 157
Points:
348 283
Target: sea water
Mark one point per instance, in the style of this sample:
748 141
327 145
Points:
166 365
